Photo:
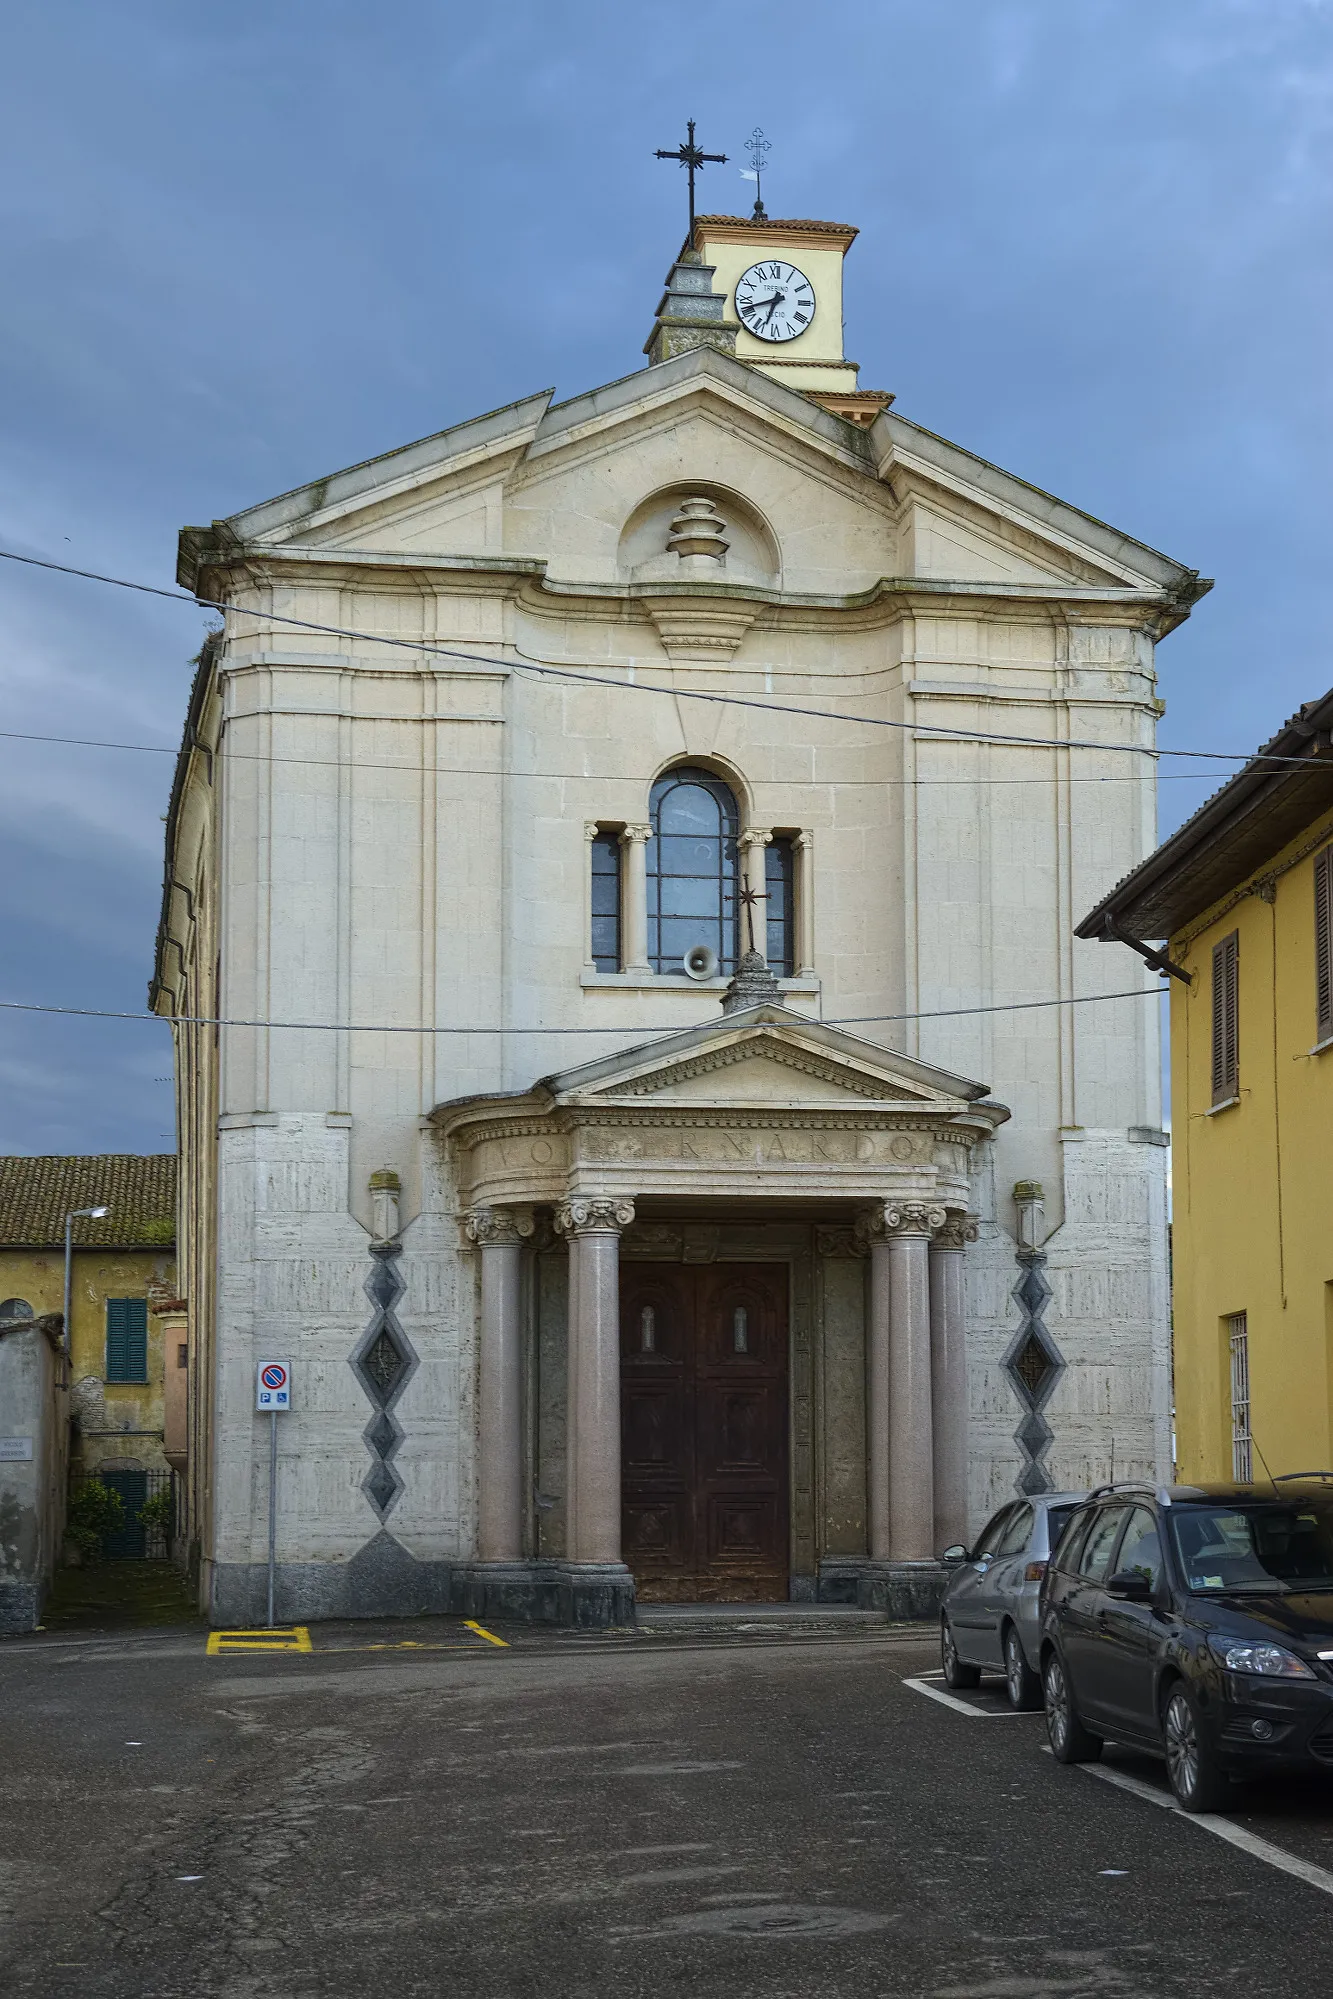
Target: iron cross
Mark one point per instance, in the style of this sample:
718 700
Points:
689 156
749 897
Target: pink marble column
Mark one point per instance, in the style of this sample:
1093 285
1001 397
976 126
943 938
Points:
499 1233
901 1497
948 1377
592 1225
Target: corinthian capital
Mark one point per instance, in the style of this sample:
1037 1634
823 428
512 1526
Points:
630 835
594 1214
956 1231
900 1218
502 1225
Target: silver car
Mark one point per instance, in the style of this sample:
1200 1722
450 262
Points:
989 1619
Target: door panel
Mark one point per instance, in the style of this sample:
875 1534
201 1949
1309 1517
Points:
704 1430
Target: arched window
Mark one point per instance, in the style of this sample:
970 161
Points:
692 869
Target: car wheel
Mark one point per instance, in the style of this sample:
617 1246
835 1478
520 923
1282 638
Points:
1023 1686
956 1672
1070 1741
1197 1778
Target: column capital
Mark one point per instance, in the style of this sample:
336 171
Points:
754 836
956 1231
498 1225
593 1214
630 834
890 1219
803 841
591 828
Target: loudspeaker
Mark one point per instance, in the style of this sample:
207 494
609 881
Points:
700 962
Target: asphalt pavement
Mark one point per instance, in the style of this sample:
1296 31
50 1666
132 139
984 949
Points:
756 1814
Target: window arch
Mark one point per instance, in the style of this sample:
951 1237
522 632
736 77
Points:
693 868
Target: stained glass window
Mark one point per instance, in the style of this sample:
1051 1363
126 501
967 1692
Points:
780 909
606 902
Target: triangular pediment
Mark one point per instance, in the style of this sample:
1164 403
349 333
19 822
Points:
767 1056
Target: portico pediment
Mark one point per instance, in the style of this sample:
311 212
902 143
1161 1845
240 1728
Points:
763 1103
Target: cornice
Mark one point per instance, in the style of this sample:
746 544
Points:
951 1128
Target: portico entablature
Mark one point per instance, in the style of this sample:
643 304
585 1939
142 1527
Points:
762 1105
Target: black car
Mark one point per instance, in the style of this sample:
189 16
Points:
1195 1622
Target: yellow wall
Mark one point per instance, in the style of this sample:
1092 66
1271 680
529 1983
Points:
821 343
119 1406
1253 1183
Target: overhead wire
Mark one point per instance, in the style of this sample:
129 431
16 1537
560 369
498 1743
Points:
674 1027
522 663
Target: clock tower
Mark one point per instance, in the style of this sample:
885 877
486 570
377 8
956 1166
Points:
769 292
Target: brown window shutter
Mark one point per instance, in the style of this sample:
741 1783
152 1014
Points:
1226 982
1323 944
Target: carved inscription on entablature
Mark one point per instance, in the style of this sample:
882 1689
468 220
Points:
759 1145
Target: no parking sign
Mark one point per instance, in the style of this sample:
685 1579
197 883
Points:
273 1388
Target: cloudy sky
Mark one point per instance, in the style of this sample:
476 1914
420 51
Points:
247 245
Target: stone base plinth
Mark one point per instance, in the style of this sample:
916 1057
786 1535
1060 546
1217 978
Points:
586 1595
384 1580
902 1590
20 1606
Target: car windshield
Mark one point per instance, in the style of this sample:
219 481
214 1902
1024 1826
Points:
1259 1546
1057 1519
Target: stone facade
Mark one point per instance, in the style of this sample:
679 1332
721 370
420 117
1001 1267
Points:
380 832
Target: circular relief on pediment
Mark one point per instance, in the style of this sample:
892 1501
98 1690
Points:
645 552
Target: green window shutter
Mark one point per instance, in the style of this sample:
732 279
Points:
127 1339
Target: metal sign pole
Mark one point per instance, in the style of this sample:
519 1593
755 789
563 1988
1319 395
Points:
272 1504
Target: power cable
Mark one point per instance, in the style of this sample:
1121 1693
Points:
676 1027
544 669
485 770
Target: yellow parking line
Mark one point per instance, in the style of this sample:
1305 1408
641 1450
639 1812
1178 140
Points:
289 1638
481 1632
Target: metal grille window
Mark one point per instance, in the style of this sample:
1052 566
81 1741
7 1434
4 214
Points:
1226 996
780 909
1323 945
606 902
692 869
1242 1454
127 1339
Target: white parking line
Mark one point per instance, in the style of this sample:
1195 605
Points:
962 1707
1221 1828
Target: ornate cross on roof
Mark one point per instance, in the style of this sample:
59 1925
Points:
689 155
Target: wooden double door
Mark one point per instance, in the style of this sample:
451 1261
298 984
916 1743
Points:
703 1418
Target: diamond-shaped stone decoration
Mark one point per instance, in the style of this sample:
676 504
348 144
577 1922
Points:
382 1487
383 1434
1034 1478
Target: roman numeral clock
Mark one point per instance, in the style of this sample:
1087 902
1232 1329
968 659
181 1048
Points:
774 301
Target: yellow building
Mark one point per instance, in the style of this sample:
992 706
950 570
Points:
1244 895
122 1294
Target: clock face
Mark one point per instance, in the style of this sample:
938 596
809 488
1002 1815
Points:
775 301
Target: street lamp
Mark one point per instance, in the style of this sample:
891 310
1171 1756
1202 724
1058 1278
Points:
77 1214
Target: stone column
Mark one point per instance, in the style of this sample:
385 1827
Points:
634 937
948 1377
592 1224
804 855
500 1233
899 1442
754 920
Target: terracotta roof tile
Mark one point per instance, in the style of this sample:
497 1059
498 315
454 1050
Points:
777 222
37 1192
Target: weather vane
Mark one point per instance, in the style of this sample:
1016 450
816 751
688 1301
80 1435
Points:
689 156
756 146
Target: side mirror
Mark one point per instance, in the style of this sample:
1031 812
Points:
954 1555
1131 1585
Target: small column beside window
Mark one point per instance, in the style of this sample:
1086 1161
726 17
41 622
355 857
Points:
1226 997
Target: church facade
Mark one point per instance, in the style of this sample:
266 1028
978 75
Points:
631 1055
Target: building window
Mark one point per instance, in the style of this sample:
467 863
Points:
606 899
1226 992
1242 1466
692 868
780 909
126 1339
15 1312
1323 945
